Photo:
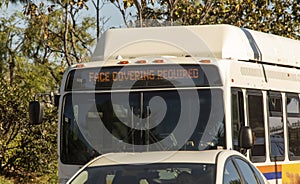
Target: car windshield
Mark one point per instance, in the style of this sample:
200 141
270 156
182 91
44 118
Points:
98 123
157 173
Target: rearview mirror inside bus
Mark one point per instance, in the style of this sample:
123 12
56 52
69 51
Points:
246 138
36 112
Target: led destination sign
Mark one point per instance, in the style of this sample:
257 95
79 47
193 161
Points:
138 74
150 76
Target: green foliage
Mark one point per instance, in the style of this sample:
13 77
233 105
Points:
5 181
271 16
23 147
36 46
55 34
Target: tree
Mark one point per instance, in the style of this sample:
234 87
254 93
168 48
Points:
100 21
138 13
24 149
9 47
271 16
6 2
35 48
55 33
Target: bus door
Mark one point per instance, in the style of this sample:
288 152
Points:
237 115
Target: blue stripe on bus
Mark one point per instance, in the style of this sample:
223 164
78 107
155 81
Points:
273 175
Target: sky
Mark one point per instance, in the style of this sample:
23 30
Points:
8 11
108 11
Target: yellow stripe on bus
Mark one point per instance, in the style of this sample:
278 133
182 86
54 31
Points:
291 173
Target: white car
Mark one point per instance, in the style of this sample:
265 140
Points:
169 167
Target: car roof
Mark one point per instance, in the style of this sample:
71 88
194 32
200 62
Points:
208 157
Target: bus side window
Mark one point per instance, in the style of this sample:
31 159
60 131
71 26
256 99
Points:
256 122
293 122
237 114
276 126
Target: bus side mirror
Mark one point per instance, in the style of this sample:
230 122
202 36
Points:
56 100
36 112
246 138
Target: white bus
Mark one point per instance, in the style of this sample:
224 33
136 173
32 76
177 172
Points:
184 88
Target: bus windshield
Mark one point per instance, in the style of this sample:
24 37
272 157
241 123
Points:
97 123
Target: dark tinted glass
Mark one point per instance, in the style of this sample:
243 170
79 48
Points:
293 121
231 174
256 122
148 174
246 171
94 124
276 126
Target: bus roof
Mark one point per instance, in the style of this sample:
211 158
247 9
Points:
217 41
